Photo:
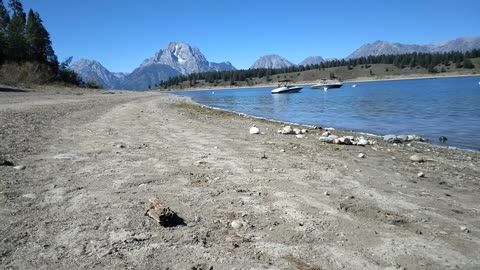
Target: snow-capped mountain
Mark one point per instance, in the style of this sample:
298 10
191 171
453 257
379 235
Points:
93 70
177 58
185 59
271 61
312 60
383 47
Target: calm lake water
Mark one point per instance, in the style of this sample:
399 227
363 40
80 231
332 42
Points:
431 108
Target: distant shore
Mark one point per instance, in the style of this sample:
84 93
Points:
356 80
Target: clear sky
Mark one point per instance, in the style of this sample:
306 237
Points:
120 34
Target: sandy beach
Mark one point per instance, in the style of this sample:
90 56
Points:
77 169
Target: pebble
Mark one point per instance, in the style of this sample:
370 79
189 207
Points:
421 174
282 150
20 167
361 155
326 134
287 130
300 136
326 193
236 224
464 229
254 130
120 145
417 158
30 196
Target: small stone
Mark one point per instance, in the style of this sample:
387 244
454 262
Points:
417 158
326 193
326 134
350 197
304 131
254 130
30 196
326 139
282 150
196 219
464 229
287 130
20 167
361 155
297 131
300 136
236 224
362 142
120 145
421 175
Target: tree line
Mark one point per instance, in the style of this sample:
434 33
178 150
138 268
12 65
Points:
24 39
412 60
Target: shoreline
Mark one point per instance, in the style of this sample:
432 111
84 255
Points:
344 131
306 83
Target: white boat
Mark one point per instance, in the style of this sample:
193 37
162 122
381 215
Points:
285 88
325 85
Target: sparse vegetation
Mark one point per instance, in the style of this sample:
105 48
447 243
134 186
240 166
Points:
26 53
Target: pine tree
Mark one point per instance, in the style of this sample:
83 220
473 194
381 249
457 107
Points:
16 40
40 46
4 21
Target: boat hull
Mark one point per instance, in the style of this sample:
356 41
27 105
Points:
285 90
326 86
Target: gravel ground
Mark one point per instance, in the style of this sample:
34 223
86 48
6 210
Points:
271 201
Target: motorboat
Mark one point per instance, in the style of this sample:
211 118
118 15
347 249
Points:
284 88
325 85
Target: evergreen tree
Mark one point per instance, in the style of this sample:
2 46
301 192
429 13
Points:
4 21
40 46
16 41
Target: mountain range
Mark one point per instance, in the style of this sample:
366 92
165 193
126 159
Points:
179 58
382 47
176 58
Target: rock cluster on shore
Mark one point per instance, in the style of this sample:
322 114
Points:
327 137
403 138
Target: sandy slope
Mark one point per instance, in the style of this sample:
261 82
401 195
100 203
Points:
92 161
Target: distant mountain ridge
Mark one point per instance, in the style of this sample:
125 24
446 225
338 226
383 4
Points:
176 58
312 60
271 61
179 58
383 47
93 70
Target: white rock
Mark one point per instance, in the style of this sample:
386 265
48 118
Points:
361 155
362 142
420 174
326 193
287 130
254 130
20 167
236 224
30 196
329 129
326 139
325 134
464 229
333 136
417 158
297 131
282 150
300 136
304 131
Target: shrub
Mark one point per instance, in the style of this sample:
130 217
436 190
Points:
25 74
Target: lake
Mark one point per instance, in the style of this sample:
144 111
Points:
431 108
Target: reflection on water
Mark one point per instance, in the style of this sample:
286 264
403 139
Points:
429 107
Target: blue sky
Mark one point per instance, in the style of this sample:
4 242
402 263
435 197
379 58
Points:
120 34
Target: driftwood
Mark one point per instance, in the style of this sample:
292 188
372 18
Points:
161 213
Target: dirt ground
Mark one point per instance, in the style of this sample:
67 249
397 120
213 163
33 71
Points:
270 201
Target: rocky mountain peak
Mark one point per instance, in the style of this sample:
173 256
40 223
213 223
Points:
271 61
